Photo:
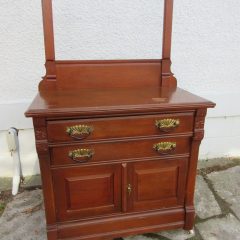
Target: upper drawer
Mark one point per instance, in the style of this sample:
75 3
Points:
119 127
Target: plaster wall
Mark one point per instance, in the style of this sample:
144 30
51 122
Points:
205 55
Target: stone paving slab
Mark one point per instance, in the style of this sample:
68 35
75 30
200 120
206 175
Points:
164 235
227 228
138 237
227 185
24 218
205 203
218 162
177 234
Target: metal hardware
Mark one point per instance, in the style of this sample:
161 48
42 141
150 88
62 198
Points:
129 189
81 155
13 145
191 232
167 124
165 147
79 131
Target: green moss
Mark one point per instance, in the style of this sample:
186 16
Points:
2 207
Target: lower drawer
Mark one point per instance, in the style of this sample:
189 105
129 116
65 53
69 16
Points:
119 150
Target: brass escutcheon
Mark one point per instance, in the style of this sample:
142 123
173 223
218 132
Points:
129 189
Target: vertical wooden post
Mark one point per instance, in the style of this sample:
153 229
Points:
47 185
167 77
167 30
50 77
197 138
48 30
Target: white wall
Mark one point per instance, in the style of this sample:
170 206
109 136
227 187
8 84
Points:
205 54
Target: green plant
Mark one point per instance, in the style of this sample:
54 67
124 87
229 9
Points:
2 206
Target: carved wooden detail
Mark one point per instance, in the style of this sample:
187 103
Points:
40 133
42 147
199 124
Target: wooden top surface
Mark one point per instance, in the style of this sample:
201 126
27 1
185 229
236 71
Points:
91 102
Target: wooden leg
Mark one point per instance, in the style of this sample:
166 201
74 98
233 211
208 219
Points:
52 232
190 217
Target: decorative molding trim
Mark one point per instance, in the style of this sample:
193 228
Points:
49 80
168 79
42 148
40 133
14 112
199 125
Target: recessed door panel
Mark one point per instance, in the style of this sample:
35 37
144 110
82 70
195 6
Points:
99 186
157 184
87 191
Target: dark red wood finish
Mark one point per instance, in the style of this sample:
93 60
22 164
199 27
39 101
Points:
120 127
87 191
126 187
91 103
108 74
119 150
86 73
157 184
104 228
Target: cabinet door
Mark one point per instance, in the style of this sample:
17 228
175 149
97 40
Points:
157 184
87 191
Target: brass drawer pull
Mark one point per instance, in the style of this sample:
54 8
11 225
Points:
168 124
79 131
81 155
165 147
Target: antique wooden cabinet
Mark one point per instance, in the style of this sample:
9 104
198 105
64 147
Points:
117 143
